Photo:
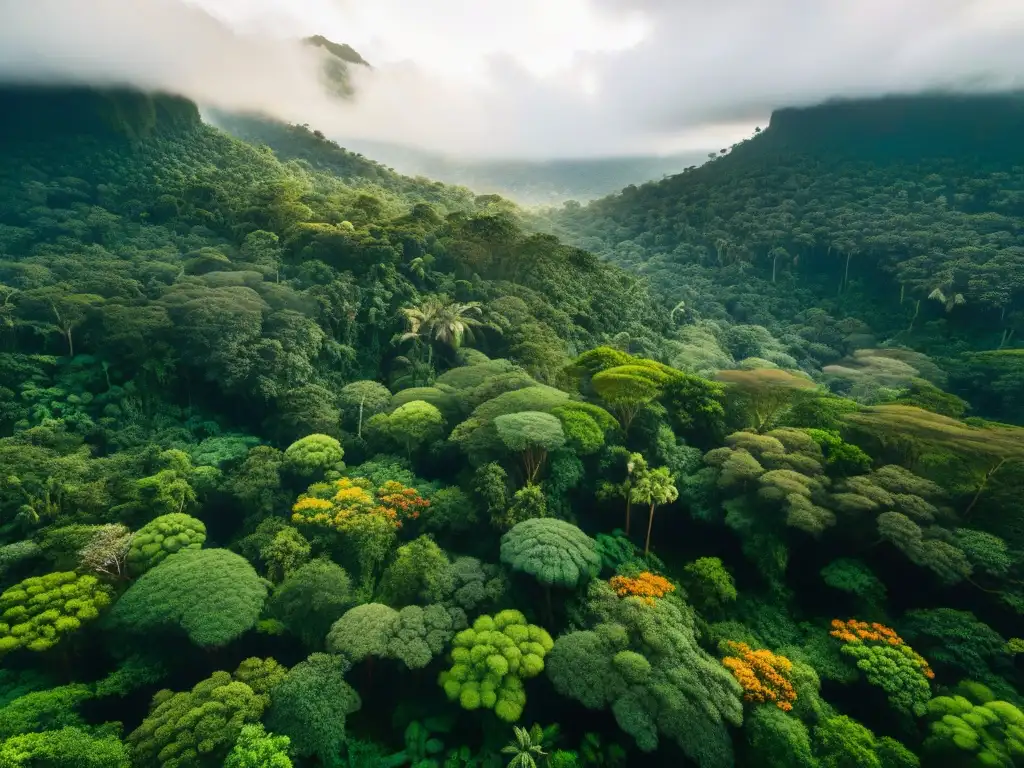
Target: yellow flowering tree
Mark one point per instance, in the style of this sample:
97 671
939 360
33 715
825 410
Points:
366 517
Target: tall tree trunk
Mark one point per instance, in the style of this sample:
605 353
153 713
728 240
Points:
774 262
650 523
917 308
629 503
984 484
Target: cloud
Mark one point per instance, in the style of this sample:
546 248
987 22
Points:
597 77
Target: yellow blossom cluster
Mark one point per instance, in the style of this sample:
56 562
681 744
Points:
334 505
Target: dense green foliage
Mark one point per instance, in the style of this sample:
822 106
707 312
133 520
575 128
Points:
381 449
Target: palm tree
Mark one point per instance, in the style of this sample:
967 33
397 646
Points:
437 321
524 748
418 267
950 301
654 487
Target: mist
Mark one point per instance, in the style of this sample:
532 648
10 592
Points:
685 74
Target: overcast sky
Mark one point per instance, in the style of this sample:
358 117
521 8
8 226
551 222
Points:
526 78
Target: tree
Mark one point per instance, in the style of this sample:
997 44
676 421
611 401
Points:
669 688
888 662
554 552
764 676
524 749
40 611
212 595
64 748
162 537
855 578
778 739
695 406
57 308
628 388
256 748
420 573
311 598
636 466
527 503
842 742
653 487
107 552
196 727
169 491
306 409
288 550
764 393
363 399
314 454
438 321
971 727
451 510
491 659
585 425
709 584
413 424
532 435
48 709
263 248
367 520
958 644
310 707
413 635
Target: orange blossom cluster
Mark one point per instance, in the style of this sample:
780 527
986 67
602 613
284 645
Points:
645 585
763 675
854 631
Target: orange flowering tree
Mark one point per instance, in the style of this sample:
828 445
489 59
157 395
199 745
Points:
399 502
888 662
644 585
765 676
368 518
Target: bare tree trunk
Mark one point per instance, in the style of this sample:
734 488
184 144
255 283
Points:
984 484
650 524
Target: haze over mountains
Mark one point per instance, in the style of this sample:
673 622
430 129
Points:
526 80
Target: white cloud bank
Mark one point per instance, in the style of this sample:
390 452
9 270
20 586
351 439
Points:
530 78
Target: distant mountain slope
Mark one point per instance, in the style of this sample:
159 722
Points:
31 112
342 51
923 194
300 142
903 214
336 75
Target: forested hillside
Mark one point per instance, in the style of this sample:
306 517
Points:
905 215
305 463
